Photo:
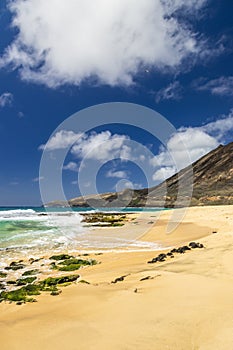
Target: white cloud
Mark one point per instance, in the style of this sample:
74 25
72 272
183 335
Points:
99 146
118 174
61 140
189 145
221 127
6 99
38 179
191 141
183 148
172 92
102 146
222 86
108 40
71 166
127 184
164 173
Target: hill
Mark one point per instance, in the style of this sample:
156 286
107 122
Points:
211 177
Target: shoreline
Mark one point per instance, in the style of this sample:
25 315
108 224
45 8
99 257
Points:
186 303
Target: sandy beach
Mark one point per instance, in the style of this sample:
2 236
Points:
185 303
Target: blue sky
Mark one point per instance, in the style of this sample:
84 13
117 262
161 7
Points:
174 57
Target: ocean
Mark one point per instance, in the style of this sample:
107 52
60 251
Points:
32 230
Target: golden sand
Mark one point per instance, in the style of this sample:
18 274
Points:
186 304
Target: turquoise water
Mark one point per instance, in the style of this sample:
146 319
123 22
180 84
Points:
25 228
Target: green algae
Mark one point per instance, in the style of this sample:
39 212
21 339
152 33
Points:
24 293
2 274
30 272
25 281
75 264
61 257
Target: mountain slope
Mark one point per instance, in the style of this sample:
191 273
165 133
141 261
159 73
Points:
211 176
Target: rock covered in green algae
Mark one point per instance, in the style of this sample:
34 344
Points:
3 274
72 264
75 264
25 281
53 281
49 284
61 257
30 272
14 265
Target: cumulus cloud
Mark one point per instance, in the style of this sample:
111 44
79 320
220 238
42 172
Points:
105 40
98 146
190 144
183 148
164 173
221 127
120 174
6 99
171 92
61 140
71 166
127 184
102 146
222 86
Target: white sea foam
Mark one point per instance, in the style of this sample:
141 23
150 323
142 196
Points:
27 229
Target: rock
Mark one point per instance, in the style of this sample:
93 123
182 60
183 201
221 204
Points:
174 250
61 257
145 278
55 292
183 249
3 274
30 272
119 279
15 266
160 258
195 245
25 281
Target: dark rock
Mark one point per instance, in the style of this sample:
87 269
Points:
119 279
146 278
195 245
174 250
183 249
160 258
15 266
